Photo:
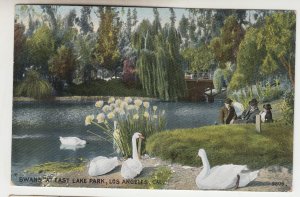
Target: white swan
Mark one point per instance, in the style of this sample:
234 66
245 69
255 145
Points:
101 165
71 147
223 177
132 167
72 141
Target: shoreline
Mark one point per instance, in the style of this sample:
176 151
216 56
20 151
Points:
92 99
78 99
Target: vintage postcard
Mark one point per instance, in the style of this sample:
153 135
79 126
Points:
153 98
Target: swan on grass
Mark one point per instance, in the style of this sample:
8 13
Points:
224 176
101 165
132 166
72 141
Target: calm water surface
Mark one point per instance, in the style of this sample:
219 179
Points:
37 127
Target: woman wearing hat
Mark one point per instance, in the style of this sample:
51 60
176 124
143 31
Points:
227 112
266 114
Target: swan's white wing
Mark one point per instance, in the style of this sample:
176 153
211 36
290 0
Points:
246 178
222 177
131 168
102 165
238 107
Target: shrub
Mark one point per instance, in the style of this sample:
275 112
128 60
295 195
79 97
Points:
269 92
287 107
34 86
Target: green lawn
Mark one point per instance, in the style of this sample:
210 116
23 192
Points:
224 144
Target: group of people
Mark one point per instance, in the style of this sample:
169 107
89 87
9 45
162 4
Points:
228 114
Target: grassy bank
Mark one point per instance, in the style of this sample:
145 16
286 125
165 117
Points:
113 87
238 144
56 167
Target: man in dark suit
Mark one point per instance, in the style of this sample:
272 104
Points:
249 115
227 112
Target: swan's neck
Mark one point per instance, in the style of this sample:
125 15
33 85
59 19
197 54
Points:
134 149
206 167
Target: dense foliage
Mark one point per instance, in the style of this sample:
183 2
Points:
244 48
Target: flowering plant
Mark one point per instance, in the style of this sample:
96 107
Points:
119 119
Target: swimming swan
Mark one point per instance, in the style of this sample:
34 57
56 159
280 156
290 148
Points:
71 147
132 166
71 141
223 177
101 165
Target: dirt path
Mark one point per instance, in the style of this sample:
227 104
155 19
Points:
271 179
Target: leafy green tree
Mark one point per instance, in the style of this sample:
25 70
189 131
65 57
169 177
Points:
183 30
84 22
156 26
134 17
249 60
62 64
193 41
19 51
83 51
106 51
51 15
198 59
40 47
278 36
225 47
159 61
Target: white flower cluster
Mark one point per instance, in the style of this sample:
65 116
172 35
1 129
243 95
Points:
117 108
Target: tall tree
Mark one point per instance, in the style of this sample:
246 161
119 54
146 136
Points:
278 36
106 51
19 51
84 22
249 60
183 30
62 64
40 47
225 47
192 36
159 61
134 17
156 26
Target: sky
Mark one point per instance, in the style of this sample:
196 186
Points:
142 13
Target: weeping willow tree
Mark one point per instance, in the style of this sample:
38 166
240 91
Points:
159 61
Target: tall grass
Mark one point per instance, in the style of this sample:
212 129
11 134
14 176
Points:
34 86
225 144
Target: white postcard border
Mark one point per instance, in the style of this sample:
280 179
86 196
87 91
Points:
6 74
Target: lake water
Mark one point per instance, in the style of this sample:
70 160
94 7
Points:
37 127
